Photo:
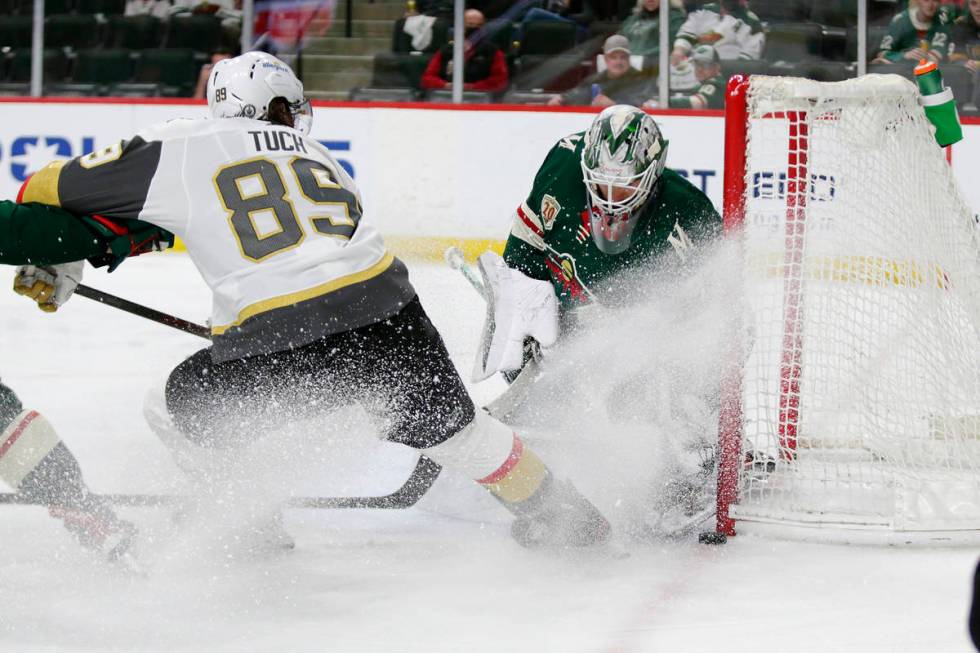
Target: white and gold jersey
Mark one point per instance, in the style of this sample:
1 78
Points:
272 222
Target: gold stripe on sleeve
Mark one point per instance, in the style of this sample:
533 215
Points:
43 185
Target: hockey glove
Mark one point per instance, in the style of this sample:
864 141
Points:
517 307
49 286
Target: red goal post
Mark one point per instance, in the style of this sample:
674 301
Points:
851 410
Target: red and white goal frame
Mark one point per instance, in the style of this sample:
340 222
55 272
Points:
852 408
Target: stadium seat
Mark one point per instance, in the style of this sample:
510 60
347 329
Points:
469 97
14 89
15 32
135 32
624 8
548 37
72 31
731 67
175 70
875 34
781 11
103 66
548 73
880 12
834 13
903 68
793 42
368 94
198 32
820 71
526 97
104 7
833 43
55 65
71 90
394 70
26 7
135 89
56 7
960 80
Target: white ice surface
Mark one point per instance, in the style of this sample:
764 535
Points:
443 576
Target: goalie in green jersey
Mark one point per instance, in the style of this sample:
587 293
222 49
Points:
611 244
603 205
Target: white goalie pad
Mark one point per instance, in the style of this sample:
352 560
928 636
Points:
517 307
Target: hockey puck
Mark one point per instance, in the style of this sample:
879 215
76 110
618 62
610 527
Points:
712 537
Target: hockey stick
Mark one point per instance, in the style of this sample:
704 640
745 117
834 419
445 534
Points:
142 311
418 483
422 478
516 393
457 260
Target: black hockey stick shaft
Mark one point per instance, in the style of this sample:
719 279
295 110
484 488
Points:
423 476
143 311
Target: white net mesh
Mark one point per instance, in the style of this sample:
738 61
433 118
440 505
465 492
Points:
861 390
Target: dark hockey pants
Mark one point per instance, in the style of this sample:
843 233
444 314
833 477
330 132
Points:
398 368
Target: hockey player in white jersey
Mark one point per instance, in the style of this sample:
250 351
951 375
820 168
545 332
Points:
310 309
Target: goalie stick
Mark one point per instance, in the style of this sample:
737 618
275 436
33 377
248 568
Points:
423 475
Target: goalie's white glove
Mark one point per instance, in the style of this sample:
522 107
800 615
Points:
517 306
49 286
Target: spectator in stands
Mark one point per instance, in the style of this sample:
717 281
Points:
202 77
919 32
423 26
729 26
617 84
710 93
485 69
642 27
966 37
435 8
578 12
159 8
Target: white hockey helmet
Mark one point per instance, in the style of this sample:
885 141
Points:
622 159
245 86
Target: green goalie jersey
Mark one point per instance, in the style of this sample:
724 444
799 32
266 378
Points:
550 238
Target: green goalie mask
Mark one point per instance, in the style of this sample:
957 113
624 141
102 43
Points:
623 157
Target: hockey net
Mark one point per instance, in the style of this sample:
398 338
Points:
855 406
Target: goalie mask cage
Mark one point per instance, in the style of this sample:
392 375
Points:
854 411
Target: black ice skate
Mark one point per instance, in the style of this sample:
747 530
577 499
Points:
559 516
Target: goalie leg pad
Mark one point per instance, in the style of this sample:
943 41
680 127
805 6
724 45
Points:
26 441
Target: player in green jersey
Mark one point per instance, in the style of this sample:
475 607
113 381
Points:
33 459
606 229
602 204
